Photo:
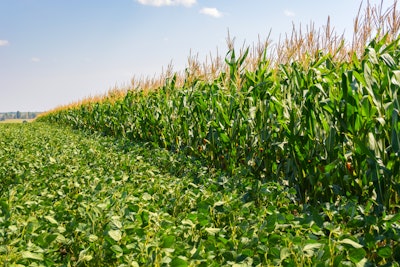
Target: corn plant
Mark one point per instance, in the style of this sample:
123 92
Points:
321 122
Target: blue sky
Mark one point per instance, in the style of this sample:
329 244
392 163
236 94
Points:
54 52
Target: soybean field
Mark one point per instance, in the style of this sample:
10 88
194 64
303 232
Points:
72 199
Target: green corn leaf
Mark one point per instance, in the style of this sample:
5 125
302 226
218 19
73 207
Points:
389 61
395 80
395 137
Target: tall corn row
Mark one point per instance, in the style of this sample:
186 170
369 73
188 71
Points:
328 128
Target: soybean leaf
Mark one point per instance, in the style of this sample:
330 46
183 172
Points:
357 255
350 242
384 252
115 234
178 262
31 255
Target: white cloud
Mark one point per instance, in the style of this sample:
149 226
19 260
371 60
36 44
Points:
157 3
289 13
35 59
211 11
4 42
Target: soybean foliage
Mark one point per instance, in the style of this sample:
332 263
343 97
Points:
72 199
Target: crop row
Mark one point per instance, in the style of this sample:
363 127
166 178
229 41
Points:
328 129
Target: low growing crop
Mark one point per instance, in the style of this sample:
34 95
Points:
71 199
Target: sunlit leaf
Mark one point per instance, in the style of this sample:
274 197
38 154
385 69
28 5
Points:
350 242
188 222
115 234
219 203
310 248
212 231
51 219
146 196
117 250
93 238
285 252
31 255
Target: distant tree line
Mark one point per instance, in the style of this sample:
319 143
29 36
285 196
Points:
18 115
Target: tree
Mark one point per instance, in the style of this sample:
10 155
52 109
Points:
18 115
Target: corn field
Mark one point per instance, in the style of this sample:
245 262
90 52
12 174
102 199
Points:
324 121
